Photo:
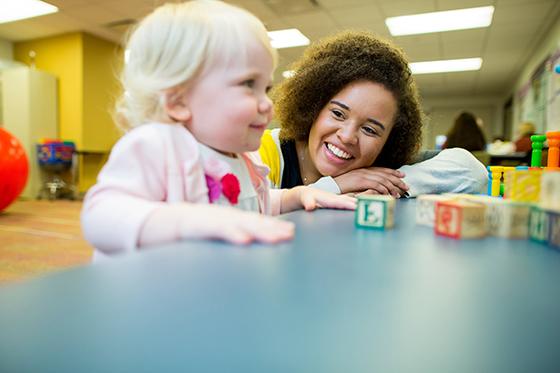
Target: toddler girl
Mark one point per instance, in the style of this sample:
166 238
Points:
194 106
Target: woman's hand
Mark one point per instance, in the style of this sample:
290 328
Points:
372 180
310 199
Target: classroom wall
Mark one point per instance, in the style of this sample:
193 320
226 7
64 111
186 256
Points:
85 68
61 56
549 43
6 50
100 89
6 54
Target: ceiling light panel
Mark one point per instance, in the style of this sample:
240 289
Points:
446 66
15 10
450 20
287 38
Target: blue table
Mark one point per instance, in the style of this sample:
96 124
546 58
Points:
336 299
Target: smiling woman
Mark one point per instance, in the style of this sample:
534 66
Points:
350 117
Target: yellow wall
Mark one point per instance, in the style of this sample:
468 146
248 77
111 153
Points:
85 67
62 57
100 90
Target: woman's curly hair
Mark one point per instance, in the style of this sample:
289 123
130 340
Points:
330 65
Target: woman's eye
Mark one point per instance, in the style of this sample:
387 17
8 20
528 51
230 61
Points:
369 131
338 114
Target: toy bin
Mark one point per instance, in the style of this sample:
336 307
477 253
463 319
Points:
57 162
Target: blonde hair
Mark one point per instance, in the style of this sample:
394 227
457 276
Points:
174 45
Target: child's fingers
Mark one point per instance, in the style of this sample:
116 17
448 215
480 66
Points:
342 202
309 199
320 199
271 230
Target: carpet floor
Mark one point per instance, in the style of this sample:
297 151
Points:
38 237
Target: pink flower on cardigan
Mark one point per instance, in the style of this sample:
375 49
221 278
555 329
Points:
220 180
214 189
228 185
231 188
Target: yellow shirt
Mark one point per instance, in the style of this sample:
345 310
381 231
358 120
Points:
271 155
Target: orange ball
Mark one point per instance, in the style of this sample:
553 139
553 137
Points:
14 168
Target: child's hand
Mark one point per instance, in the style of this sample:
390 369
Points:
239 227
310 199
372 180
186 220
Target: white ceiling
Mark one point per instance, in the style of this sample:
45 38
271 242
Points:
505 46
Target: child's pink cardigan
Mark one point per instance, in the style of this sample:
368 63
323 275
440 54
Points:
153 165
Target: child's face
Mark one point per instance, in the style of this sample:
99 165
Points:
352 128
229 105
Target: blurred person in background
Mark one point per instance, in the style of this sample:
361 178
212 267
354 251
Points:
466 133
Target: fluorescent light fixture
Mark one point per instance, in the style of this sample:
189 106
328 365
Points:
424 23
287 38
446 66
288 73
14 10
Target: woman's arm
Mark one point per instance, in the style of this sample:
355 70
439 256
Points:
452 170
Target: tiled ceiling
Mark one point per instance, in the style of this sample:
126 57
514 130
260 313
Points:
505 46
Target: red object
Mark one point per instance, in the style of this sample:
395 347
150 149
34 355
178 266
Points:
14 168
230 188
523 144
448 220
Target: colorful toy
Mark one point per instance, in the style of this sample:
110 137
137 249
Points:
55 155
375 211
504 190
536 155
14 168
553 138
460 219
56 160
530 207
426 208
495 180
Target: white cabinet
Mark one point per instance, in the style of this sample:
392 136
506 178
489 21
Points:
29 111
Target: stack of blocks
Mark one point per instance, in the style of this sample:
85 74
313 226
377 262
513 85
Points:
526 205
503 218
375 211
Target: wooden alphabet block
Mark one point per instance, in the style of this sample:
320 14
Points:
460 219
426 208
538 224
505 218
524 185
375 211
554 228
550 190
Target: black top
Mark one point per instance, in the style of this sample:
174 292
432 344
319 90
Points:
291 176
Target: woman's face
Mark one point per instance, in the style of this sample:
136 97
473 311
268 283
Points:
352 128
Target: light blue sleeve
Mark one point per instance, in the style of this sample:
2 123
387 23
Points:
326 183
453 170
